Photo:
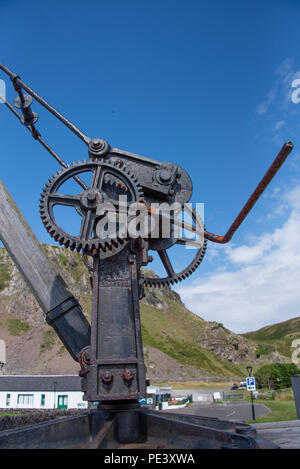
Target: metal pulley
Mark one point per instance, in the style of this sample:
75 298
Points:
23 103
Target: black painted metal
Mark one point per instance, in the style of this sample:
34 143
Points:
116 370
296 391
131 429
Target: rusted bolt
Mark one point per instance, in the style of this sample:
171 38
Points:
97 144
107 377
164 175
128 376
91 196
86 357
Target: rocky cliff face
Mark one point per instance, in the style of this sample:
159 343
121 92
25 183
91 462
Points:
214 336
32 347
178 345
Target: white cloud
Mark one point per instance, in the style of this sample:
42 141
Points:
270 98
263 284
283 71
278 125
280 93
247 254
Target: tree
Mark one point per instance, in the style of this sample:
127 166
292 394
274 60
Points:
276 375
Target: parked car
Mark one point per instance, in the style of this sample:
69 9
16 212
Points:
243 385
234 387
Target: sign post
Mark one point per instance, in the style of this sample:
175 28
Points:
251 386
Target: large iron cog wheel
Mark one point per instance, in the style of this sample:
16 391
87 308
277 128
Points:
108 182
201 246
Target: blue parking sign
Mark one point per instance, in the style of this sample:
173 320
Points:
250 380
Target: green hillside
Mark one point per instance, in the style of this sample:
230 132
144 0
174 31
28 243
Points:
277 337
175 331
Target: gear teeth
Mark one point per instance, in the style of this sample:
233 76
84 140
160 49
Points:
107 245
74 243
159 282
117 163
114 243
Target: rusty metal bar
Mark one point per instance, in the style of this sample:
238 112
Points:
277 163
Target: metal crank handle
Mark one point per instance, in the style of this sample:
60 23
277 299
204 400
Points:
277 163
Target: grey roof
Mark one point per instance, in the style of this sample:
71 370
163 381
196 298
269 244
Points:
40 383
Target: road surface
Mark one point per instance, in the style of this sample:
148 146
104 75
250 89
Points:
241 411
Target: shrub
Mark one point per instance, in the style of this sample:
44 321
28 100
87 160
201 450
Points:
284 394
4 276
17 327
49 339
276 375
263 349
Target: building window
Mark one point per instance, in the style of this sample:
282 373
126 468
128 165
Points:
25 399
42 400
62 402
7 399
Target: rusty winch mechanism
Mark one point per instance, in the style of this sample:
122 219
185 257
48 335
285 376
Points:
114 187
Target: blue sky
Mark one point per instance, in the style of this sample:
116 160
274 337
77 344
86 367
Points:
206 85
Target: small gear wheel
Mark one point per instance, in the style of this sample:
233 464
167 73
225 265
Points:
161 248
109 181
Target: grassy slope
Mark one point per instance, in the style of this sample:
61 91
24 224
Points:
278 336
281 411
174 331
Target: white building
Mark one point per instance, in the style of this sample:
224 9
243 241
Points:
159 390
41 392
